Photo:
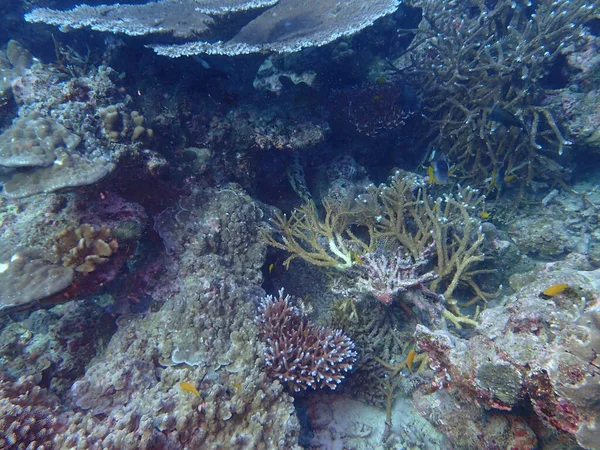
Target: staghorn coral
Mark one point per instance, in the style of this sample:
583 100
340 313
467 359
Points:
478 60
417 221
29 418
285 26
327 243
85 247
443 229
298 353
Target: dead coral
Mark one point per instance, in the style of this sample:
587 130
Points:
85 247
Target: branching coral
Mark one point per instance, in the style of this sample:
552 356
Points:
386 275
327 243
418 221
481 65
299 353
444 230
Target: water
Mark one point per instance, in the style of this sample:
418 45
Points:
223 225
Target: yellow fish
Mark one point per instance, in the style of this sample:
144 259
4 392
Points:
409 359
484 215
357 259
189 388
554 290
271 267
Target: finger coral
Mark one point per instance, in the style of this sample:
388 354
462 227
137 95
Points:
85 247
299 353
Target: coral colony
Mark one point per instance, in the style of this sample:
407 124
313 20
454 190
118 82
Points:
420 177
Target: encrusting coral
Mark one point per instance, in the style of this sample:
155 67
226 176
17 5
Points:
299 353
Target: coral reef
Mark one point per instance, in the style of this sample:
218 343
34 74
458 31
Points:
202 334
55 143
531 350
36 269
136 252
299 353
482 69
53 347
28 417
444 229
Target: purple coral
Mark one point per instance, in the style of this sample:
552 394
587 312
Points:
298 352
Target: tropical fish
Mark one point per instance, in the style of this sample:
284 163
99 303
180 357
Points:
271 267
484 215
505 117
189 388
357 259
498 177
410 359
553 290
439 169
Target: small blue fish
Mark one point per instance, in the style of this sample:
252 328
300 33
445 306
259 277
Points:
439 169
